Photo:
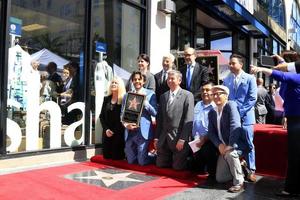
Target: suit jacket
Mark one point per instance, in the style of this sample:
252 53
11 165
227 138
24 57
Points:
230 126
110 117
199 77
55 78
160 86
297 66
270 105
150 109
245 95
175 121
260 106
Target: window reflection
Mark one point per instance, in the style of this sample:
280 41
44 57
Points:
118 26
50 31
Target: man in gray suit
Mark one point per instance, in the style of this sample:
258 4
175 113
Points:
174 124
260 106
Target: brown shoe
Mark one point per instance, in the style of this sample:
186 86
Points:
251 177
236 188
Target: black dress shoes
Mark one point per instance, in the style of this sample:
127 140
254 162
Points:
286 194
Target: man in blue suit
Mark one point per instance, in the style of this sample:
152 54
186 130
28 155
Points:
137 138
243 90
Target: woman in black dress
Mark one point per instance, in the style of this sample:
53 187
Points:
113 130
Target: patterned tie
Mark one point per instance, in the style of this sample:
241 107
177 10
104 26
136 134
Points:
171 99
188 77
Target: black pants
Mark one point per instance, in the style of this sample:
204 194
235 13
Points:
205 160
113 147
292 183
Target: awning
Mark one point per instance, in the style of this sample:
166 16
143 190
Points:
237 15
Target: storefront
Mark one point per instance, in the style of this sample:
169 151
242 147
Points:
34 115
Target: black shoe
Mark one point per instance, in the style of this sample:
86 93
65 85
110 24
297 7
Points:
286 194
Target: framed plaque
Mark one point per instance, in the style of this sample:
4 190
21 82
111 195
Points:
133 108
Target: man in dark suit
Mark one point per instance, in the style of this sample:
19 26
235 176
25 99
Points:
260 106
51 68
194 75
161 77
174 124
270 104
224 130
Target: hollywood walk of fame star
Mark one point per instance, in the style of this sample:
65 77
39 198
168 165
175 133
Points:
210 69
133 103
109 179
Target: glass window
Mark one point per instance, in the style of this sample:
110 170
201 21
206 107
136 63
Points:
200 44
45 75
295 23
118 26
275 9
130 41
137 1
242 44
221 40
275 47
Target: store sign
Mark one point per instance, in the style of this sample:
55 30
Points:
101 47
15 26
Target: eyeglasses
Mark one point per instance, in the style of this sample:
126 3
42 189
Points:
218 94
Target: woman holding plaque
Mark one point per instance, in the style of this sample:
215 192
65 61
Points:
137 109
113 130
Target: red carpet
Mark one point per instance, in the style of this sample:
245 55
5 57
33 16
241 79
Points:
151 169
51 184
271 149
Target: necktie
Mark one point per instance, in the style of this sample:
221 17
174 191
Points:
188 78
171 99
235 83
164 77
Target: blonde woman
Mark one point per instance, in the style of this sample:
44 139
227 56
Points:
113 130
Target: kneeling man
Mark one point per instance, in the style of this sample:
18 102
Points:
224 130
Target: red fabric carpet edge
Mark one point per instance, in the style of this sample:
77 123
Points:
151 169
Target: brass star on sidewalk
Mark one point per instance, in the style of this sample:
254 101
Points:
109 179
133 103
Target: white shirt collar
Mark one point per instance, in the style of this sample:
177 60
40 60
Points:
175 91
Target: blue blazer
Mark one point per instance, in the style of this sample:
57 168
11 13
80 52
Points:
245 96
150 109
230 126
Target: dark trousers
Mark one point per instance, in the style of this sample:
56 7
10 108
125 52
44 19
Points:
292 183
205 160
113 147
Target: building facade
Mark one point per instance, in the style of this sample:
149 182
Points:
74 31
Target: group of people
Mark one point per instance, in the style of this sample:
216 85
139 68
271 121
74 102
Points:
60 88
183 106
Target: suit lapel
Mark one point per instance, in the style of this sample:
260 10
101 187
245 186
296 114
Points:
195 73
